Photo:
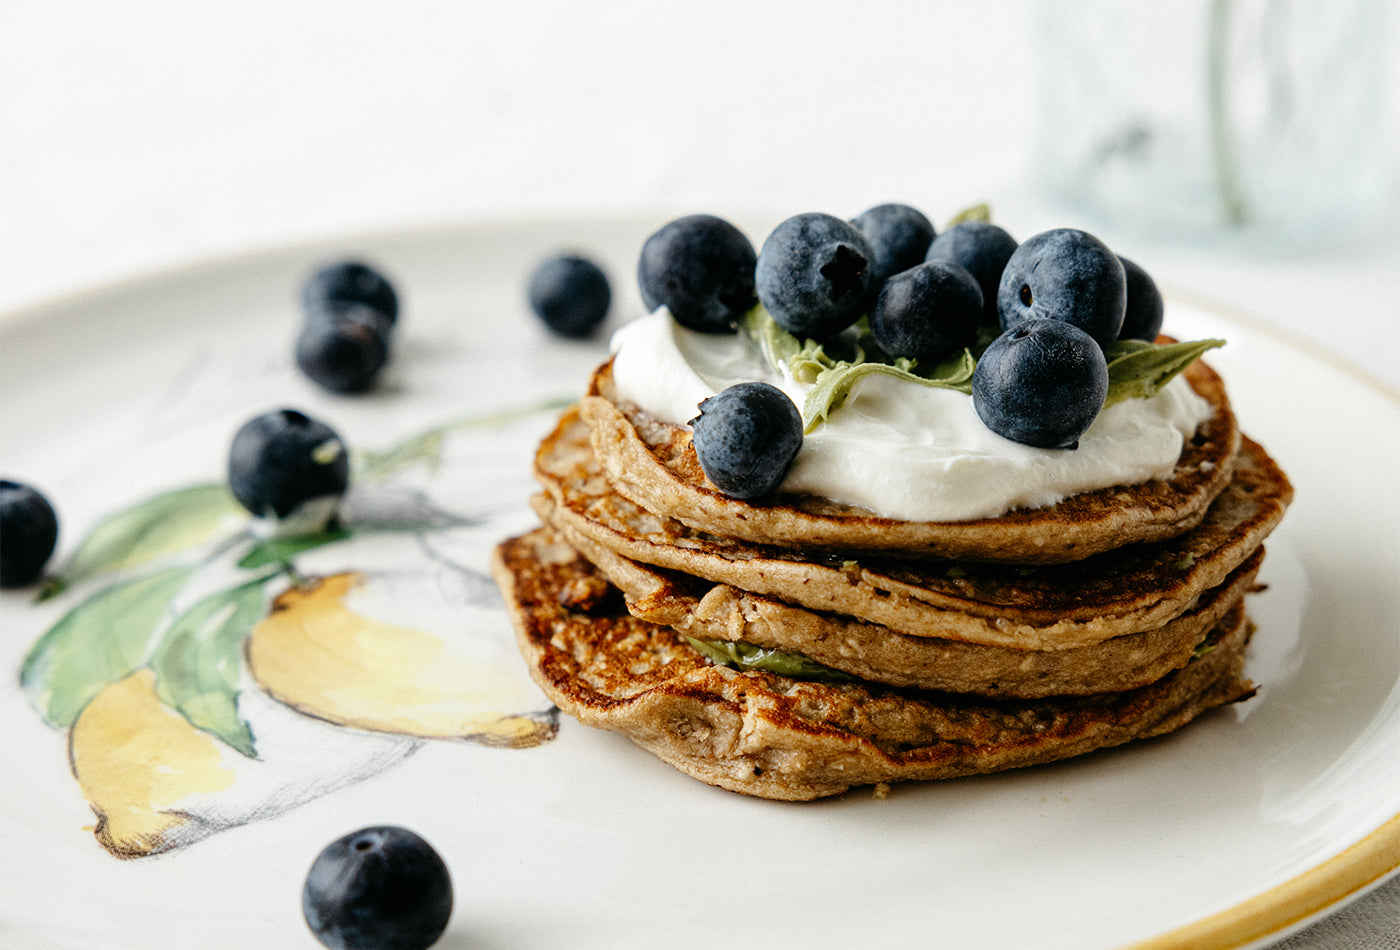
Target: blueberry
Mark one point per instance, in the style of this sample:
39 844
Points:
343 346
282 460
380 888
1066 275
981 247
898 235
1041 383
928 312
570 294
28 532
746 438
1142 319
700 267
814 275
350 282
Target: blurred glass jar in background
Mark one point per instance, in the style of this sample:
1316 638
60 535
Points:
1268 124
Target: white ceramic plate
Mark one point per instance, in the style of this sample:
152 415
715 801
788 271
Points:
1231 833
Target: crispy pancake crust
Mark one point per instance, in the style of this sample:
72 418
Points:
653 464
775 737
872 652
1128 590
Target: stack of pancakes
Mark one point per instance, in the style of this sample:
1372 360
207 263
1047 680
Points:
895 650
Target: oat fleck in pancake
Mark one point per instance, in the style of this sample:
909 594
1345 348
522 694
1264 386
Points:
653 464
775 737
1063 606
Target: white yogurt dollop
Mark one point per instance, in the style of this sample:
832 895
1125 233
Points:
902 450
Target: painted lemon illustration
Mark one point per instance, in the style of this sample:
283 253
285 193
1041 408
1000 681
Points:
317 655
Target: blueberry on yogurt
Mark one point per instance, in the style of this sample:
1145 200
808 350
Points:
1143 314
1066 275
981 247
815 275
929 312
701 268
746 437
1041 383
899 236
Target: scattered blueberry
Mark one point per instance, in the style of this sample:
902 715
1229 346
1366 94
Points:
380 888
1067 275
28 532
929 312
981 247
350 282
899 236
343 346
282 460
570 294
814 275
1041 383
746 438
701 268
1142 319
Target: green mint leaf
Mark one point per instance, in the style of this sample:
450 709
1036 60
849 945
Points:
978 212
169 522
104 639
834 384
199 658
776 344
1139 370
742 655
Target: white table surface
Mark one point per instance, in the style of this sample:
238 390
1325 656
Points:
141 135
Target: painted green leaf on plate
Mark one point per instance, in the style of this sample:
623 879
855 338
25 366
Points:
169 522
103 639
198 662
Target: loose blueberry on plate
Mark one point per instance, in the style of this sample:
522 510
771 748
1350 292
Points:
746 437
982 248
286 465
929 312
1041 383
343 346
28 533
379 888
701 268
1142 317
350 282
570 294
899 236
1066 275
815 275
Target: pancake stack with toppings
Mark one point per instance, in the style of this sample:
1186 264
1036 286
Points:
791 645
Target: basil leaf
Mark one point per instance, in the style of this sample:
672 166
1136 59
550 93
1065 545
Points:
748 656
103 639
1139 370
172 521
198 662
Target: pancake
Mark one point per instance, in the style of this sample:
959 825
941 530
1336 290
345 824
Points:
719 612
1048 607
780 738
653 464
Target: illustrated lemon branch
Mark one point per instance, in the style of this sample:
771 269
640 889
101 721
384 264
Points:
143 621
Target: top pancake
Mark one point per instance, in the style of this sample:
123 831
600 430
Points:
653 464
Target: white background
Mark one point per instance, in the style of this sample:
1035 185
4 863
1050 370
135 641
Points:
138 135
